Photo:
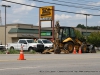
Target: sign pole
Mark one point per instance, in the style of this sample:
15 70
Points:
53 23
39 26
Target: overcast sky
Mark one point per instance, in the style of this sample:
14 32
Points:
29 15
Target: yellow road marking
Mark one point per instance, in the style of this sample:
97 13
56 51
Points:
51 59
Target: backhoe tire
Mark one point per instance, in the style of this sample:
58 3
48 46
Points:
93 51
84 48
69 46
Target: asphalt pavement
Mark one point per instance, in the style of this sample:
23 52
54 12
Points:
50 64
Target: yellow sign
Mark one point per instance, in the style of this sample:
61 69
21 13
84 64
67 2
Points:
46 13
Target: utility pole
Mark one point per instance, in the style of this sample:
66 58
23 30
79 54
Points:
0 18
5 6
86 24
98 28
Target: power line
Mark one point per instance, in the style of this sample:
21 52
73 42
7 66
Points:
21 4
52 9
84 1
76 3
68 5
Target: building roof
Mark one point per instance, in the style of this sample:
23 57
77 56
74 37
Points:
22 30
25 30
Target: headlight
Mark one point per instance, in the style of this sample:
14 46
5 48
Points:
50 45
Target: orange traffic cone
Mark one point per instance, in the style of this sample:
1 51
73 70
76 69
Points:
80 52
74 52
21 56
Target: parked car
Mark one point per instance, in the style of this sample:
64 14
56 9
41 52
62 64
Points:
91 48
27 44
2 47
47 43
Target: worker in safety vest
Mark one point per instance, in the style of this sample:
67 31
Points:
35 40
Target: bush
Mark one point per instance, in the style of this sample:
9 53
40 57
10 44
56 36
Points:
2 52
94 38
32 51
13 51
16 52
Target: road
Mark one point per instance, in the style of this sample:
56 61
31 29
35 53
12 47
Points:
50 64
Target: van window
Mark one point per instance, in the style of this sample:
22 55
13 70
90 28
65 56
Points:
39 41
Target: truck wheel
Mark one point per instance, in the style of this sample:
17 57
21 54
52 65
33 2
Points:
69 46
84 48
41 51
29 49
11 48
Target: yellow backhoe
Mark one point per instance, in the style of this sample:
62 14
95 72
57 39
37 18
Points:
65 41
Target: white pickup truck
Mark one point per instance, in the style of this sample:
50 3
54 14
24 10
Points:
28 44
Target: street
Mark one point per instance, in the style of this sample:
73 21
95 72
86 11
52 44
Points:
50 64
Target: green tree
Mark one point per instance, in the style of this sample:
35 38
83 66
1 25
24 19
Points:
80 26
88 27
79 36
94 38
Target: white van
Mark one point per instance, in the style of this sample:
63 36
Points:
47 43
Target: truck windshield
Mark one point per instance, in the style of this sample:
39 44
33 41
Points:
47 41
30 41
